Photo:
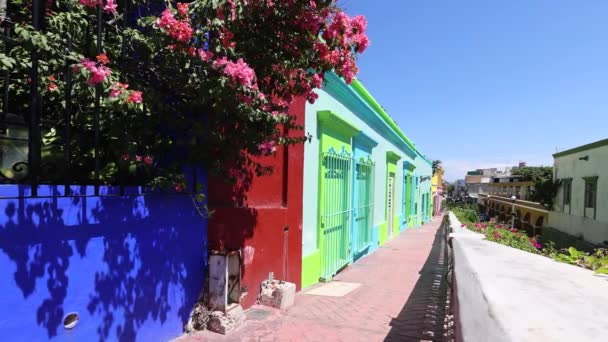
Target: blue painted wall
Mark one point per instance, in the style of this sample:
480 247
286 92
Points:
131 266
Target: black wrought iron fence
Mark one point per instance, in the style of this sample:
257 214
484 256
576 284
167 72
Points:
44 145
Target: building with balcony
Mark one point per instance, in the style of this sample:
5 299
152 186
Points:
510 195
581 204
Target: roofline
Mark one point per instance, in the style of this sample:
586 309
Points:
337 87
592 145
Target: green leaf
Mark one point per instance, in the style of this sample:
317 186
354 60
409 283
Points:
575 253
602 270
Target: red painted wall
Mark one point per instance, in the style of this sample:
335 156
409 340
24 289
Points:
267 227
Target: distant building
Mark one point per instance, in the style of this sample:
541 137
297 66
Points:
493 189
581 205
478 181
437 191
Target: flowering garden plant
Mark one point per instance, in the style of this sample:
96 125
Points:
512 237
205 83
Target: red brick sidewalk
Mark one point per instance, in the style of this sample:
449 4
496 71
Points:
401 298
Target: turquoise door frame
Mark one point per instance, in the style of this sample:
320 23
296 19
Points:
414 203
362 148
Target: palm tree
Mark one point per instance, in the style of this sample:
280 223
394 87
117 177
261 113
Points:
436 165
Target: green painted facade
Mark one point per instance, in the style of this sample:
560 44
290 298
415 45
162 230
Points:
340 115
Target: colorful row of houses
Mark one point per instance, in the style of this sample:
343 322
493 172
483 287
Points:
122 263
358 182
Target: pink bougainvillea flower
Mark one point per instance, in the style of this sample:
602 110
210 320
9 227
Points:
98 75
103 58
312 97
267 147
176 29
89 3
240 72
148 160
317 80
135 97
182 8
535 243
117 89
205 55
110 6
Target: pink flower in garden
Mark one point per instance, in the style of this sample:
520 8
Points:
86 63
205 55
117 89
267 147
148 160
312 97
497 235
179 30
179 188
358 23
513 230
138 158
135 97
110 6
535 243
182 8
499 226
103 58
125 157
240 72
317 80
52 87
98 75
89 3
463 225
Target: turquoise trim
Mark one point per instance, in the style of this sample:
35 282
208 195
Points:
365 140
345 94
408 166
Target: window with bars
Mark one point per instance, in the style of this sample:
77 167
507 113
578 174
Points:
567 191
590 192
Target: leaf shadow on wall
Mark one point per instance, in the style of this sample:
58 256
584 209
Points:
145 255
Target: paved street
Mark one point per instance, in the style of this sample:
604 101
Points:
402 297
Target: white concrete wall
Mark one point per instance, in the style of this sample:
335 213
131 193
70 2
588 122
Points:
572 220
505 294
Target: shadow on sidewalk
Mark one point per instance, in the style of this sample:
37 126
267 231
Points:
423 315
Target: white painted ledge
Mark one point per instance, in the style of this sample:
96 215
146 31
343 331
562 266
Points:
505 294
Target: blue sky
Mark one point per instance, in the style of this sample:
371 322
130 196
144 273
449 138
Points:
489 83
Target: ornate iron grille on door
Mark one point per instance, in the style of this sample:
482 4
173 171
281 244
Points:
336 211
363 216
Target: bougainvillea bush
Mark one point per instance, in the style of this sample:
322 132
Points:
204 83
509 236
